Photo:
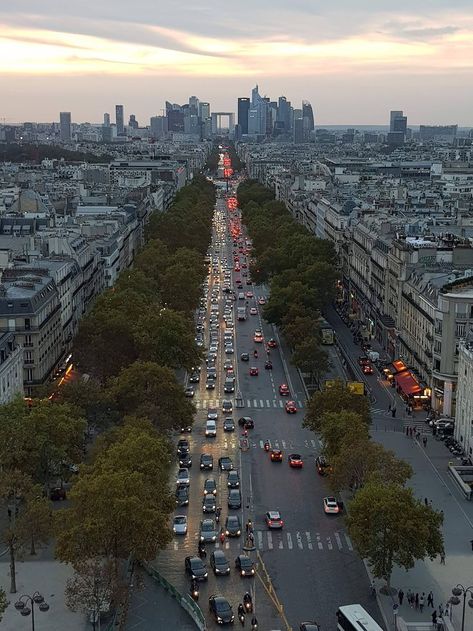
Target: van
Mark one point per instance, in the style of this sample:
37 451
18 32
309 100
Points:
211 429
241 296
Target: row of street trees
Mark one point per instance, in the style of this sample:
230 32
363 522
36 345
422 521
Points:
299 268
388 525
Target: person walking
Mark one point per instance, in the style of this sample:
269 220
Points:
400 596
440 610
434 618
416 601
430 599
393 411
411 431
424 440
421 602
407 431
442 557
426 501
409 597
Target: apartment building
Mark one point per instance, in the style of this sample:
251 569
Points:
464 408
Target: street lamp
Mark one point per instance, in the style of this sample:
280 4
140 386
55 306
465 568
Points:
458 591
21 605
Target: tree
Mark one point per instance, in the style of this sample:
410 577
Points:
4 602
311 358
360 460
93 587
389 526
148 390
298 327
338 427
35 525
91 401
335 399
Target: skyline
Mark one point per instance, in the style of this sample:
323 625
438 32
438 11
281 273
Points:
354 65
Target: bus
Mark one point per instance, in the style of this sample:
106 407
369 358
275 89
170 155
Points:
355 618
326 331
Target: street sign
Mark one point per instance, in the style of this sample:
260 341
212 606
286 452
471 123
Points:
356 387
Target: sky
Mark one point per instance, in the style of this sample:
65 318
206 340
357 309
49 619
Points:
354 60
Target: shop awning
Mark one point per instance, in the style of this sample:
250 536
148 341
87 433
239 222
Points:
408 383
395 368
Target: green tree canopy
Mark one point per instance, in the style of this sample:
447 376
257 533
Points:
389 526
341 427
337 398
310 357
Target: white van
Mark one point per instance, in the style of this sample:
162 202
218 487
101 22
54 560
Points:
241 296
211 428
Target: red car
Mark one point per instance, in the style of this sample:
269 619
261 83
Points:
295 460
367 369
276 455
254 371
284 390
291 407
249 294
272 343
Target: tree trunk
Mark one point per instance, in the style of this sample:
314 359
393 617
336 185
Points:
12 569
33 547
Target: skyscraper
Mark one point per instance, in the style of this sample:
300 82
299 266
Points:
133 123
158 126
394 114
119 118
65 125
204 110
257 114
243 109
106 119
308 116
397 128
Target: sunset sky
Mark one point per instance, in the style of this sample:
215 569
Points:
353 60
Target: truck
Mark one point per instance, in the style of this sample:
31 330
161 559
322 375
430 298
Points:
241 313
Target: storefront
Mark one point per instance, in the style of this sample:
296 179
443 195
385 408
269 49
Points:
411 389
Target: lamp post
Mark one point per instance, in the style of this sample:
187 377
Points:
458 591
21 605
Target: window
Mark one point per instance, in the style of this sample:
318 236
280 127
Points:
460 329
27 324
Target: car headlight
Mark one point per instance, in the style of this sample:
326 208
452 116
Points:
238 532
201 538
227 532
214 537
206 574
243 572
219 619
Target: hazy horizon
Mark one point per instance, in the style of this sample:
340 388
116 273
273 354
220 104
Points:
352 62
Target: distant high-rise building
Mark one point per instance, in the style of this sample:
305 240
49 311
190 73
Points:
257 114
119 119
158 126
283 116
308 116
298 131
243 109
204 110
397 128
394 114
441 133
133 123
106 120
65 125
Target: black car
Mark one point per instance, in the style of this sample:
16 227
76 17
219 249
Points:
245 565
245 357
183 446
309 626
196 568
221 609
219 563
182 495
185 461
234 498
206 461
246 422
194 378
228 424
186 429
210 487
225 463
210 384
209 504
232 526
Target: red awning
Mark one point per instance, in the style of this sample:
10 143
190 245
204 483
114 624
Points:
399 366
408 383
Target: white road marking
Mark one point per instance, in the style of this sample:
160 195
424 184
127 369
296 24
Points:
281 543
259 536
270 540
267 403
314 444
309 541
329 543
338 540
319 543
349 543
275 404
299 541
289 540
281 404
255 403
283 442
261 403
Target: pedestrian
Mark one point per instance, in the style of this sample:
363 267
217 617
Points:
393 412
416 601
389 407
434 618
442 557
400 596
426 501
447 610
409 596
421 602
417 435
407 430
424 440
430 599
440 611
411 430
471 541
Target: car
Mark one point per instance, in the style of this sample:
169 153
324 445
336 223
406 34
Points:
272 343
295 460
249 294
219 563
246 422
229 350
254 371
183 446
234 498
331 506
233 479
367 369
211 429
209 503
262 301
363 360
186 429
210 384
196 568
322 466
276 455
229 386
208 532
183 477
189 391
227 406
245 357
182 495
309 626
212 414
228 365
206 462
179 525
273 519
228 424
291 407
245 565
284 390
221 610
210 487
258 338
225 463
185 461
232 526
194 377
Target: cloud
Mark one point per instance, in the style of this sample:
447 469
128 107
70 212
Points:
416 32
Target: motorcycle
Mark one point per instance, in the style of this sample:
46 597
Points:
248 602
241 614
266 446
194 591
217 514
255 354
202 551
268 365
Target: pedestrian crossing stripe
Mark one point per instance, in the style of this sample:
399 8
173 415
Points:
269 540
204 404
283 444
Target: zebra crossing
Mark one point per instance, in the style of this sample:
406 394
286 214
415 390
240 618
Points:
271 540
284 444
203 404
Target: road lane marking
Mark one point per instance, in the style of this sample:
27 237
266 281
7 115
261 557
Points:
267 403
259 536
275 404
283 442
270 540
339 541
314 444
299 541
309 541
255 403
289 540
248 403
281 543
281 404
319 543
329 543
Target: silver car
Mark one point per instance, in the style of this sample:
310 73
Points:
179 525
208 532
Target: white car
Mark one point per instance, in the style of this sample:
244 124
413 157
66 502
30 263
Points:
183 477
179 525
253 311
331 506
